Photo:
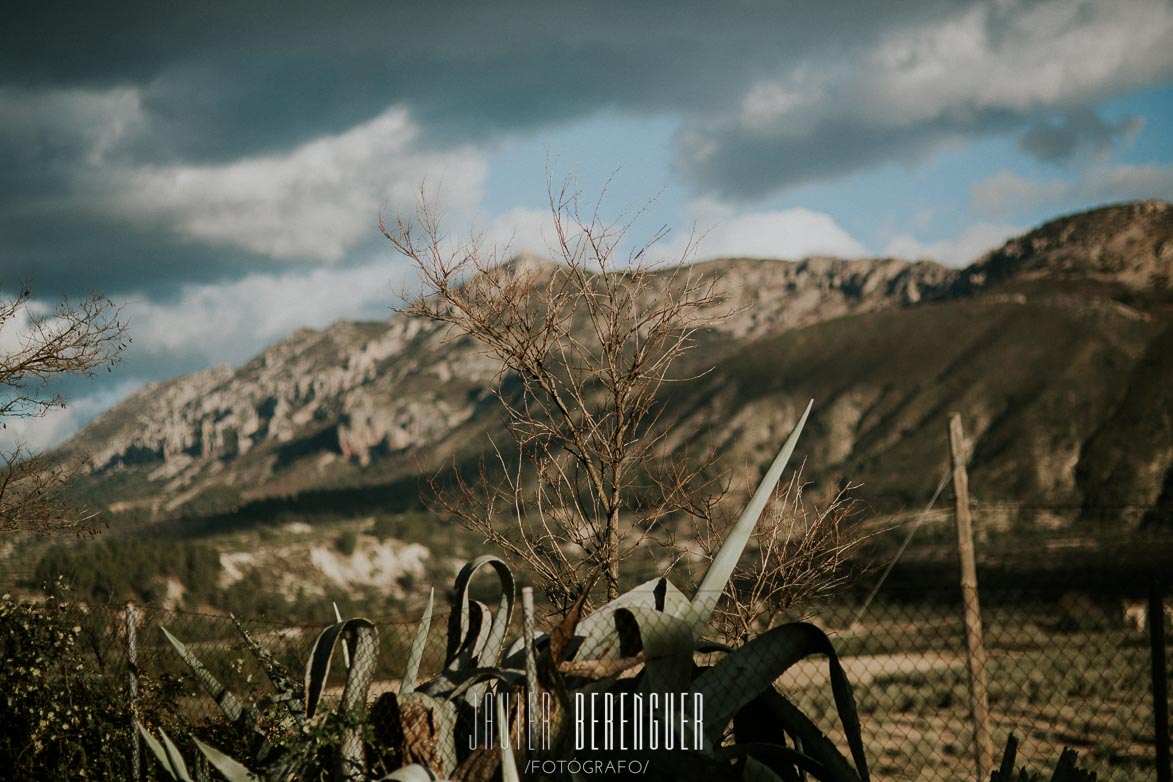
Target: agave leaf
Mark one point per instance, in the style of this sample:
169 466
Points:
598 629
178 767
667 644
815 744
365 638
288 691
361 642
488 676
418 645
224 699
156 750
704 602
231 769
464 650
480 625
747 672
515 655
338 618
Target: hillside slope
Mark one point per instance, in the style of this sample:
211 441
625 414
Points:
1056 348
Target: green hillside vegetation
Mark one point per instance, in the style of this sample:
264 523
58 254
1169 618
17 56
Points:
1037 381
117 570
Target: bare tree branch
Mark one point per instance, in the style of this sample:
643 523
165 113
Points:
73 339
585 346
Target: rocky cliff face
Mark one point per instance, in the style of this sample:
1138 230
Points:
1130 246
885 347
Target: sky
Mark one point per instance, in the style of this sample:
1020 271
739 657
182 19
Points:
218 169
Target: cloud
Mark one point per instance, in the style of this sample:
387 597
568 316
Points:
970 245
314 202
1006 193
783 233
976 71
1127 182
73 123
231 322
788 93
58 425
521 230
80 209
1077 132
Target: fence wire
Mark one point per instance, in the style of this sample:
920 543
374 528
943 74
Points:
1068 666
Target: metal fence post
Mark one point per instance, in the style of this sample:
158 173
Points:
132 682
975 651
1160 679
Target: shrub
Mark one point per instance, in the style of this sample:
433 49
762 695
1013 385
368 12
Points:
117 570
346 542
62 720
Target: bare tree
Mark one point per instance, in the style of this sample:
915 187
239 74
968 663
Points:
800 554
72 339
586 345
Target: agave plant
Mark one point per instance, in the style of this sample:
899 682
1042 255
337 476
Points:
723 720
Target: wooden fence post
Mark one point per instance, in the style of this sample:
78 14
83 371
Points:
975 651
132 682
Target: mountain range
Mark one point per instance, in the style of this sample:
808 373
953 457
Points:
1056 348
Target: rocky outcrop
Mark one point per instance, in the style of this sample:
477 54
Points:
1129 245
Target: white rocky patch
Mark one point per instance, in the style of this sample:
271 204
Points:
372 564
233 566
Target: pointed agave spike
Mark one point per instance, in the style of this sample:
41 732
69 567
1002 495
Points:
418 645
723 564
282 681
224 699
232 770
178 767
338 618
156 749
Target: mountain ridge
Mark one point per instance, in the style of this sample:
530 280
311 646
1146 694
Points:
884 345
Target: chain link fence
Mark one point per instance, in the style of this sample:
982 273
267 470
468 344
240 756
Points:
1069 664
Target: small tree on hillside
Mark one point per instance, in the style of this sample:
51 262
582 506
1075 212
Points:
586 345
35 351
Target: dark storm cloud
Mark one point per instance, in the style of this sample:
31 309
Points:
230 79
70 251
104 104
111 111
1075 132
